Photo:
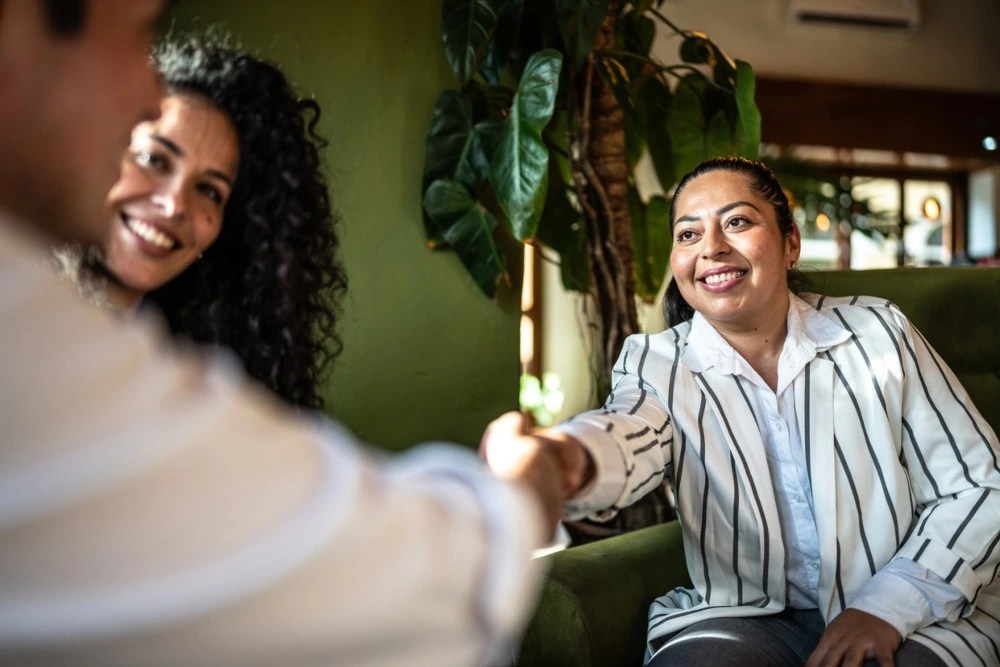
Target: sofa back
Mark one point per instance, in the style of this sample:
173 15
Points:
957 309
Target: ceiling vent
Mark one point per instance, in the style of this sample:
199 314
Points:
896 15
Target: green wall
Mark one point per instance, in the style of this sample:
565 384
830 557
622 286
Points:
426 356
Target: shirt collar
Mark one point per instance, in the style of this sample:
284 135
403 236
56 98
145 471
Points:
809 332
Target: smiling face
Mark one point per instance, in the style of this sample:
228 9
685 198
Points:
729 256
167 206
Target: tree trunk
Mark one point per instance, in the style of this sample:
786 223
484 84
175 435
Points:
602 182
602 186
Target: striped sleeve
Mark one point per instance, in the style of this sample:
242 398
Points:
629 438
952 455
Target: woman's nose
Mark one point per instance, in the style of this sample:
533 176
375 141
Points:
713 243
171 200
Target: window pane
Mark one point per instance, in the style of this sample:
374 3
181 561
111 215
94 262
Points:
928 212
875 223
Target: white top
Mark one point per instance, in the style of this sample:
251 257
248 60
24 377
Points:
157 509
776 418
902 469
903 593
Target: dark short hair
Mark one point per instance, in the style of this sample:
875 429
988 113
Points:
65 17
763 181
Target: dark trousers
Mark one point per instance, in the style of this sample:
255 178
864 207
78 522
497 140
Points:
781 640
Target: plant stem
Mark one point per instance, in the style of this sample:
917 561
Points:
655 12
665 69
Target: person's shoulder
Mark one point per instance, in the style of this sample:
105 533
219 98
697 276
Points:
858 310
668 342
823 302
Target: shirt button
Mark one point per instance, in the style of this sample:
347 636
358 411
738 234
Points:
778 426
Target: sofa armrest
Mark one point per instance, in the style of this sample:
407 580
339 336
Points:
595 599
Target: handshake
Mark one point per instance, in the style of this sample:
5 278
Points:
554 465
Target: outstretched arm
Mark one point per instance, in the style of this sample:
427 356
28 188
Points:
155 508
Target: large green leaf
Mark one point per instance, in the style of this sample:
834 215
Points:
635 34
651 243
450 146
718 136
748 124
537 30
488 100
686 124
579 23
699 125
467 25
468 228
698 48
505 35
518 169
453 149
564 232
653 103
705 122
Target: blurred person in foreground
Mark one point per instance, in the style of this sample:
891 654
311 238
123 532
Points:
155 507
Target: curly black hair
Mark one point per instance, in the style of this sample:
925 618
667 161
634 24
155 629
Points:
270 285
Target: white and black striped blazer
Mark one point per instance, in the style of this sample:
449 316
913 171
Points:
899 459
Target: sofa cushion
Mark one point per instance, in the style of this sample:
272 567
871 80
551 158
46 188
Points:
957 309
593 608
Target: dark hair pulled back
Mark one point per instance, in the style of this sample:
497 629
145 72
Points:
763 182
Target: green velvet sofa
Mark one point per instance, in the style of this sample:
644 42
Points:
592 610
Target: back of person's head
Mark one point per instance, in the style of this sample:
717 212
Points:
75 77
65 17
764 183
266 287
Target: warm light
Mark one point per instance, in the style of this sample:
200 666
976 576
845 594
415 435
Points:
990 143
822 222
931 209
528 279
527 341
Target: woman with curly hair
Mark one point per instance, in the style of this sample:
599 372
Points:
221 218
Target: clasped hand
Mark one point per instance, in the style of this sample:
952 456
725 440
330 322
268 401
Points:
552 464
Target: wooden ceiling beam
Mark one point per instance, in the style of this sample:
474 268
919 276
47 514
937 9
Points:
816 113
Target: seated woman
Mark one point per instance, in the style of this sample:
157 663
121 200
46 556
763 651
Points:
838 492
222 219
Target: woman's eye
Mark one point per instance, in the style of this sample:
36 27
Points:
212 192
685 235
151 160
737 222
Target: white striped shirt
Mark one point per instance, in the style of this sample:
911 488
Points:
931 598
899 462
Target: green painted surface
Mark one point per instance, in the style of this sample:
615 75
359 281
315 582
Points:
426 356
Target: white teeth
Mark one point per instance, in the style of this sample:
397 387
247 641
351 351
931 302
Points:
723 277
149 233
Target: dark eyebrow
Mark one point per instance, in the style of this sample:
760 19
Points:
176 150
219 175
735 204
719 211
169 145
